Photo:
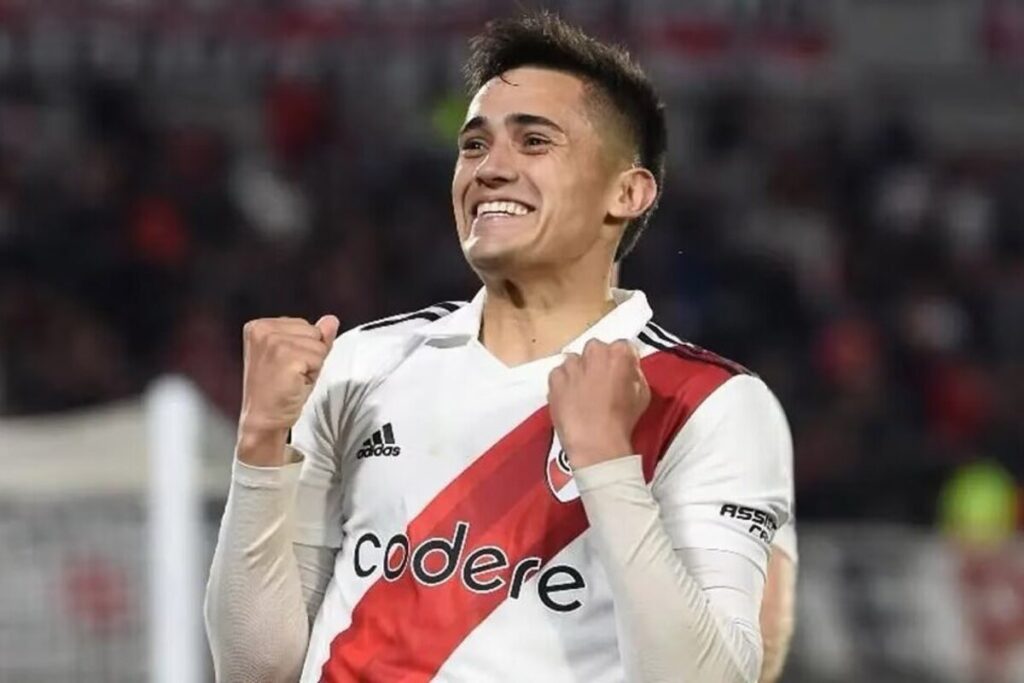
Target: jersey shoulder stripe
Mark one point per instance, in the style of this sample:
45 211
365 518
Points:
661 333
429 314
657 337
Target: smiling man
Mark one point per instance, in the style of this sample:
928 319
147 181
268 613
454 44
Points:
541 484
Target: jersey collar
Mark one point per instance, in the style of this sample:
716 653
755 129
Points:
625 321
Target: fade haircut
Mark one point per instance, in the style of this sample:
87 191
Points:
618 82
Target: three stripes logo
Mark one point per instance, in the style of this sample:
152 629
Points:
381 442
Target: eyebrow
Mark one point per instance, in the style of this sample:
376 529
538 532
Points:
518 119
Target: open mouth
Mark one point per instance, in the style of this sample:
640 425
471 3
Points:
504 208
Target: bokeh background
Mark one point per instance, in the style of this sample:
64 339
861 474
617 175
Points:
843 214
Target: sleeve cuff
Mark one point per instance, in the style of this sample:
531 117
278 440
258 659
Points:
269 477
609 472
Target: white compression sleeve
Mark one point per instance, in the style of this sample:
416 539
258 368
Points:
316 568
687 615
256 615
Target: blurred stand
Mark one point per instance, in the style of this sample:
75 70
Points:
844 214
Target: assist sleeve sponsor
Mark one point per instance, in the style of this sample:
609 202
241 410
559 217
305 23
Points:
726 481
322 426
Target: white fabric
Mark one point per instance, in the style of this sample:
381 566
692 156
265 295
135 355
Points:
731 584
735 449
255 615
448 400
316 568
688 615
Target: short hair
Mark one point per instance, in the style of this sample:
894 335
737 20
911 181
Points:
544 40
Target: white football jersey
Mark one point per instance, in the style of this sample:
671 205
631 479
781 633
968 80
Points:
463 545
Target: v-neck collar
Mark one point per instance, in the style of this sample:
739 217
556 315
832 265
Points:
625 321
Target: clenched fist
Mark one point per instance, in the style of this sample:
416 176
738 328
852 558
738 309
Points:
596 400
283 357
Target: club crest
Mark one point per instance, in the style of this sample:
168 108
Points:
559 474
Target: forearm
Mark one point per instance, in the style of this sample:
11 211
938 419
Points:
256 617
669 628
776 647
316 569
777 614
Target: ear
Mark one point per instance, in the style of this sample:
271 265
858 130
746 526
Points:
633 192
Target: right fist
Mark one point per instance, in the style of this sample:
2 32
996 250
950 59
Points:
283 357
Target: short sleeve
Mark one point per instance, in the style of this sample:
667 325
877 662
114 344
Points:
726 481
316 436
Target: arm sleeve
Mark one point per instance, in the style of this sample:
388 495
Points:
316 569
255 614
278 538
687 587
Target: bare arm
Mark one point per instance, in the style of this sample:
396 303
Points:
777 614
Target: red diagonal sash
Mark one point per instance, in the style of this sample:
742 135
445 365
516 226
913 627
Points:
403 630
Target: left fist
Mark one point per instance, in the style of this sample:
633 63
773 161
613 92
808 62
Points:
596 400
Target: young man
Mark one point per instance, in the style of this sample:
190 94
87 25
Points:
539 485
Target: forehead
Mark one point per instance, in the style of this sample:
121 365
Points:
530 90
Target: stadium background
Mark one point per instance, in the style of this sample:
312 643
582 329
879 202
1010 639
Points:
844 214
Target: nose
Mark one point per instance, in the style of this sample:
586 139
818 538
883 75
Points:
498 167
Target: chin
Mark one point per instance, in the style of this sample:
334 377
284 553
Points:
493 258
490 260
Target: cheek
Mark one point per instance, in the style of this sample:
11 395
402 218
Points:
581 206
458 182
460 178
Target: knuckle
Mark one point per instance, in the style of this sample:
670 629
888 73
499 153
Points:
265 330
278 345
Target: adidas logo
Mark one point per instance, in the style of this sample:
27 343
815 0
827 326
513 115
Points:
381 442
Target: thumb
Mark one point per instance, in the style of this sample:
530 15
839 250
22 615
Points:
328 326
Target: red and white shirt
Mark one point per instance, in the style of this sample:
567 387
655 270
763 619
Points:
463 545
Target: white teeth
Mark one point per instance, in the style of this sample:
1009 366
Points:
508 208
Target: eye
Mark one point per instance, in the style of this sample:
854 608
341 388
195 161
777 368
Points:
534 140
472 146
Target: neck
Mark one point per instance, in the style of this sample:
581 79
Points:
529 318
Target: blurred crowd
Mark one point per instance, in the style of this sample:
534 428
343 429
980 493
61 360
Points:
872 276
